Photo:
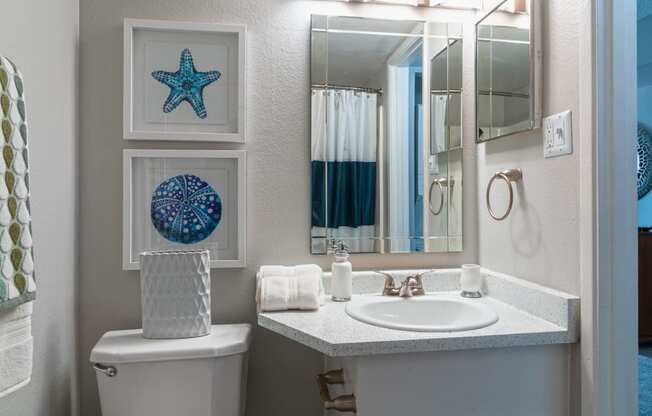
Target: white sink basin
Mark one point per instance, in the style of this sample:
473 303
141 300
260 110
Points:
429 313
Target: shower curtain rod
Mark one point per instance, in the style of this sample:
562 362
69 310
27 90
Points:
453 91
378 91
483 92
504 94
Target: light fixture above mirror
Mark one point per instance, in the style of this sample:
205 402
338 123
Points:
457 4
510 6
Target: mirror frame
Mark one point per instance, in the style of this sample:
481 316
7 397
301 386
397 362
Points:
536 70
383 239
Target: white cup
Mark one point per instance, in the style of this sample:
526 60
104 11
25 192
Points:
471 279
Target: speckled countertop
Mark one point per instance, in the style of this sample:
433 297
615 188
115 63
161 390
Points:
528 315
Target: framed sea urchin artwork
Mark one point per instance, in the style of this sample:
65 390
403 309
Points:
184 81
184 200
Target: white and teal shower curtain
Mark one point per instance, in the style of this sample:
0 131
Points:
343 154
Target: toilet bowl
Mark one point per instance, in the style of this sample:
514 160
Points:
203 376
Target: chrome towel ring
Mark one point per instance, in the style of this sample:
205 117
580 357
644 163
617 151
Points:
441 184
509 176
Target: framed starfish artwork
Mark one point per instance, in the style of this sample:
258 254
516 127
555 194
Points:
186 200
184 81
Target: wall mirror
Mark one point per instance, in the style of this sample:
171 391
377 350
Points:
508 70
386 136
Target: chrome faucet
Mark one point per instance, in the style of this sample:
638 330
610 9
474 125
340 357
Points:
411 286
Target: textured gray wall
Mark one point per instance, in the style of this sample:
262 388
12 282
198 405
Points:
281 373
540 239
41 38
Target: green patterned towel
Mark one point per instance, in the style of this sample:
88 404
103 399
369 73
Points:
17 284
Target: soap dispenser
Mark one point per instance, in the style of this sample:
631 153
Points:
342 273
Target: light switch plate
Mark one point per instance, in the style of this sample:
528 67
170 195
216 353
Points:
558 135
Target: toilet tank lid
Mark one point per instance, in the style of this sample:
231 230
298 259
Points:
123 347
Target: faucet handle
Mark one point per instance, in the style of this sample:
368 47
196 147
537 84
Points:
413 285
419 277
419 280
390 286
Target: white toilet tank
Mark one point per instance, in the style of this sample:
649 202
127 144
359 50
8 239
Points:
203 376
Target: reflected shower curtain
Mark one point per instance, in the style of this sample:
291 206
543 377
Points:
439 122
343 154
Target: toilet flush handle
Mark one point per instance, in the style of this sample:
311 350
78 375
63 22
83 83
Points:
107 370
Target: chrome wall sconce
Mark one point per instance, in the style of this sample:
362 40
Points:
457 4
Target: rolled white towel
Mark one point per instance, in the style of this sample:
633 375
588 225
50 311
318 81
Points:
16 348
281 288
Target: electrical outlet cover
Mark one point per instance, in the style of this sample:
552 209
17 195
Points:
558 135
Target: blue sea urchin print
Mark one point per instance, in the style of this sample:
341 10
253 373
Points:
644 158
187 84
185 209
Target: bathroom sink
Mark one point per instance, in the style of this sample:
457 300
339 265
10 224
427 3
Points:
429 313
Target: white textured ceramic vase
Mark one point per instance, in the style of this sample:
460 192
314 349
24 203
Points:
176 294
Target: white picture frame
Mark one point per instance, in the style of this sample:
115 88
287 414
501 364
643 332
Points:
223 170
149 44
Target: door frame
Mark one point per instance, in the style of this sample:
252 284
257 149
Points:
608 208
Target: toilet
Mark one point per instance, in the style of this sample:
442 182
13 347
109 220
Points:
203 376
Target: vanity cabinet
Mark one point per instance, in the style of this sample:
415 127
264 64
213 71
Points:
517 366
530 381
645 287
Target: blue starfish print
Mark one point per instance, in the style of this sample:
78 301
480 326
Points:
187 84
